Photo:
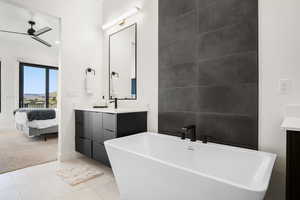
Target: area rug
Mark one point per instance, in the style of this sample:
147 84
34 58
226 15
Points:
17 151
77 175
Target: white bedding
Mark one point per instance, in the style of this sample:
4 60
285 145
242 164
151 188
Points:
21 118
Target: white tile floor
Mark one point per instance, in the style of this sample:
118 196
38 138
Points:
41 183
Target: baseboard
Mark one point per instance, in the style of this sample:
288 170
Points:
68 156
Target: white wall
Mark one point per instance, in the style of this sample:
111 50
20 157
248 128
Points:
81 47
147 53
279 59
11 53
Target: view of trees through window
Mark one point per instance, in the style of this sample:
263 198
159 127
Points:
39 88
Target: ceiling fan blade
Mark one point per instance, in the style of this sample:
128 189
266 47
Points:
42 31
13 32
41 41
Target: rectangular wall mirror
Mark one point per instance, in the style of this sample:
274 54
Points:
123 64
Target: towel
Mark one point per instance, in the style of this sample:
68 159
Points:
89 83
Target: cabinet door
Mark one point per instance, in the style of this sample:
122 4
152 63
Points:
108 135
84 146
97 127
109 121
131 123
78 124
78 116
99 153
87 125
82 124
78 130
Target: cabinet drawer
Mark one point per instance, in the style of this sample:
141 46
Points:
108 135
79 130
99 153
84 146
109 121
78 116
97 127
83 125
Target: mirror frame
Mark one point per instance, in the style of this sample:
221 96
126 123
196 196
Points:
109 61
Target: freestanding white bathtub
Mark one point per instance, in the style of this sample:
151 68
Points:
150 166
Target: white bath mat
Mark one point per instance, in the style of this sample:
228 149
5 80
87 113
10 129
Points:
79 174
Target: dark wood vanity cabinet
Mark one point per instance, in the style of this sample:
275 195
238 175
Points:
293 165
93 128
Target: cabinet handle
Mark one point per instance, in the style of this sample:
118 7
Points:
109 130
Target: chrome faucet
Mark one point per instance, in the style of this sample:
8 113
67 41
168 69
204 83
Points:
191 130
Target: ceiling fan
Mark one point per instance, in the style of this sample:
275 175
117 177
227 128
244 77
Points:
33 33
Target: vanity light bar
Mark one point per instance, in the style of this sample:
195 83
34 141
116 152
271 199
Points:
123 17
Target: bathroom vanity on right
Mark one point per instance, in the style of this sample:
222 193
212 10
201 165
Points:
291 125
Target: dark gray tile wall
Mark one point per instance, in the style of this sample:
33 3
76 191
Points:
208 69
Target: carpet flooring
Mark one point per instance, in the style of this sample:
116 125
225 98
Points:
17 151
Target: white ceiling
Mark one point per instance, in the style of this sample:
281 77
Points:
14 18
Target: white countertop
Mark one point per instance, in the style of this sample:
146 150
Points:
291 124
112 110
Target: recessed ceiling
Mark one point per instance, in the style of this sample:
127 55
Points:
15 18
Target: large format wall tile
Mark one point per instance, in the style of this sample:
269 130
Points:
208 69
179 99
170 9
230 40
224 13
235 69
203 4
181 28
179 52
229 129
172 122
233 99
181 75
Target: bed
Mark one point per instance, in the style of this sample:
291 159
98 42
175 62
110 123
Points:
36 122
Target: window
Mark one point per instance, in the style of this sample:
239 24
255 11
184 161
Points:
53 80
38 86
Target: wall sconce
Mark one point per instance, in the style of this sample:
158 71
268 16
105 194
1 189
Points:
121 20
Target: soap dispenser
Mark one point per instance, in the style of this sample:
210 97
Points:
102 103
